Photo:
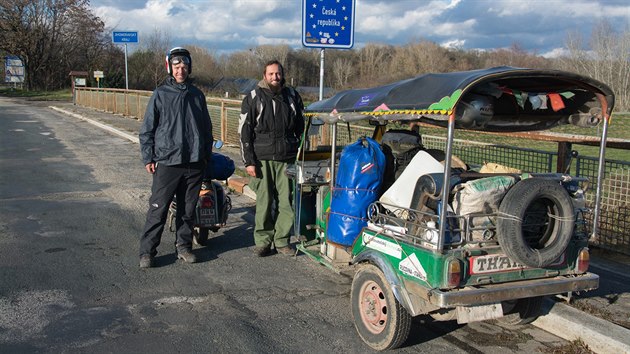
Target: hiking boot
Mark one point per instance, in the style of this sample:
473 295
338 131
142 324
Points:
286 250
146 261
187 256
262 251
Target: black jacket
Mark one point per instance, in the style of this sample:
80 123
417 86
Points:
177 127
270 125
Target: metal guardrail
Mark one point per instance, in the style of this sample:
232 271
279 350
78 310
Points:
614 228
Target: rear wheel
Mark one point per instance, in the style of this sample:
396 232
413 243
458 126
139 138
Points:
201 237
521 311
379 318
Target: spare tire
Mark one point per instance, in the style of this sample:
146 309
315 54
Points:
535 222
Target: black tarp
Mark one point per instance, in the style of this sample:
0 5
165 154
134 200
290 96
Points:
516 99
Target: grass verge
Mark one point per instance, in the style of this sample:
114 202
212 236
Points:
58 95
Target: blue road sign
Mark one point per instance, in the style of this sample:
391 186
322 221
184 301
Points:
328 23
13 69
125 37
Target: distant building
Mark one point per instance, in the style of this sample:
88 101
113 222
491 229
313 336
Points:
233 86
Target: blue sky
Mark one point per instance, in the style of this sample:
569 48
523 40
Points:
223 26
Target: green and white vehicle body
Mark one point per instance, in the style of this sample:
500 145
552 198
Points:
432 260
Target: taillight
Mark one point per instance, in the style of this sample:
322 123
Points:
584 258
453 273
206 202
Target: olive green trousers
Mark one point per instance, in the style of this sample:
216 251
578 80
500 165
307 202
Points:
274 204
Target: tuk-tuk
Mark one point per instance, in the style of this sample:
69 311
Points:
428 234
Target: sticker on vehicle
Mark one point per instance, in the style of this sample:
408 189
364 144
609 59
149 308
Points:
381 245
412 267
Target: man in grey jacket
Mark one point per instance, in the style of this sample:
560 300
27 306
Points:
176 143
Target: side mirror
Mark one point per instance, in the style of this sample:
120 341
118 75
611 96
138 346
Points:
377 123
317 122
218 144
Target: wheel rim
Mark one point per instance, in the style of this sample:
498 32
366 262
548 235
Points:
373 307
539 223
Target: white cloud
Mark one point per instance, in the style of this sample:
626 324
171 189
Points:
537 25
454 44
555 53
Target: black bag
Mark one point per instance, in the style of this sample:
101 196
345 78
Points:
403 145
401 140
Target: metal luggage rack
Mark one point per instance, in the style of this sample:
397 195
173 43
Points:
421 227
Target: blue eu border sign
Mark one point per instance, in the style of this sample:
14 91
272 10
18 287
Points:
125 37
328 23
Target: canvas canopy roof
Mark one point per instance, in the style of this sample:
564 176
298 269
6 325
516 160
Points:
494 99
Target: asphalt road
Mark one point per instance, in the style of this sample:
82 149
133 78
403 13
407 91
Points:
72 204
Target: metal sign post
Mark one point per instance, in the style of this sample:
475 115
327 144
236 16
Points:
126 70
328 24
98 75
124 37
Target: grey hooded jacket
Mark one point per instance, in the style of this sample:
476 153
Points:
177 127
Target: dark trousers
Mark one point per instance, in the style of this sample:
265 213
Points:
185 182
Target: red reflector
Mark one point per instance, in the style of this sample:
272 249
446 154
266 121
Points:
206 202
584 259
454 276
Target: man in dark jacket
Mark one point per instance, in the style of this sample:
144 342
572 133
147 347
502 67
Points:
270 129
176 143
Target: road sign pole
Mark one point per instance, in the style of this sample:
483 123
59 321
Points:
126 73
321 75
124 37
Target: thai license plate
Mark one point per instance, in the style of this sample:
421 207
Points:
500 263
492 264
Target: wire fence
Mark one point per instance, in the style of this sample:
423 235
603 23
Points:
614 220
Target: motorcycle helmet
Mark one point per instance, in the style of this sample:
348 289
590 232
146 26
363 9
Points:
474 111
178 54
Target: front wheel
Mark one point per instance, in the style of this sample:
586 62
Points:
382 322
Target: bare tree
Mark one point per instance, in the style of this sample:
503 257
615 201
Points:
418 58
372 59
206 67
44 33
158 44
342 69
241 64
265 53
141 70
607 59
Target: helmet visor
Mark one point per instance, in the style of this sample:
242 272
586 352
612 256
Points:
179 59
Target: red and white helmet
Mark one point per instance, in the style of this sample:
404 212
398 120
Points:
176 56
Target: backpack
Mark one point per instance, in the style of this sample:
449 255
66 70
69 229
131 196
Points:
255 93
399 147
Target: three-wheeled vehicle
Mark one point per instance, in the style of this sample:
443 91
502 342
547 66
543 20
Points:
441 237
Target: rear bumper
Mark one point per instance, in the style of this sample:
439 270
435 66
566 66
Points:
492 293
